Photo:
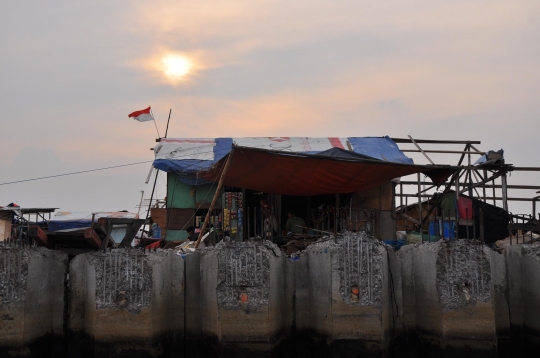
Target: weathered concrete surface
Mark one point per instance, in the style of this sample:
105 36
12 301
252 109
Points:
126 302
453 299
343 298
523 267
193 320
244 299
31 301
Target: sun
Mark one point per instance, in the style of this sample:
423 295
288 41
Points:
175 67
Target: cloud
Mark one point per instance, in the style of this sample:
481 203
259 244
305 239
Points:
432 68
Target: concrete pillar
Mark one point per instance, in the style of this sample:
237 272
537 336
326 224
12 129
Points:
246 302
523 267
453 298
126 301
31 301
344 302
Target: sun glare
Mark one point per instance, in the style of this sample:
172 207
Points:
175 67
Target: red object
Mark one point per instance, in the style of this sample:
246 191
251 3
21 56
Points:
154 245
465 207
138 113
305 175
243 297
39 236
336 143
92 237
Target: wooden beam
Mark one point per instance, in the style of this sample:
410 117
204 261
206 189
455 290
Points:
216 195
92 237
527 169
432 141
38 235
107 238
438 151
131 231
429 196
420 149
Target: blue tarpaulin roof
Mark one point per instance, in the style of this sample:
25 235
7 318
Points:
186 157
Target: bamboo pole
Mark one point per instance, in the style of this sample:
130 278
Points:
214 200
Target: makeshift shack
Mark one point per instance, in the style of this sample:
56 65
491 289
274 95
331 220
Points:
449 216
332 184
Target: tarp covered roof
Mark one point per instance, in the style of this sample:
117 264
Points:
187 156
291 165
65 221
312 174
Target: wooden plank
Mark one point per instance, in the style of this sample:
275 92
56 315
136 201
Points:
526 169
131 231
108 239
38 235
524 227
178 219
379 198
498 186
92 237
432 141
421 150
438 151
214 200
496 198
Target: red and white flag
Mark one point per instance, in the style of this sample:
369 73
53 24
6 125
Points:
142 115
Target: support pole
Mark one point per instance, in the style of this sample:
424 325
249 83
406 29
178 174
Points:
420 205
421 150
140 204
167 130
150 204
214 200
470 176
504 192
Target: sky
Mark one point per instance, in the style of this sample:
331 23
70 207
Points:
71 72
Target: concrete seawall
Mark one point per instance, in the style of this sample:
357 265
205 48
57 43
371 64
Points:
31 302
345 297
245 299
453 299
523 267
126 301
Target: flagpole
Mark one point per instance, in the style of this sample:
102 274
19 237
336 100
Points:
157 173
167 130
157 130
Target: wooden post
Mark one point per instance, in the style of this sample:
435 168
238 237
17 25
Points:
420 205
214 200
421 150
504 192
168 120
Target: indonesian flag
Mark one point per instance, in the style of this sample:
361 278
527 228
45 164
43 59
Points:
142 115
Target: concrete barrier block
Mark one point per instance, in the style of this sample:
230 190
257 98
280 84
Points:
523 267
350 303
126 300
301 295
31 300
407 303
192 298
457 289
243 288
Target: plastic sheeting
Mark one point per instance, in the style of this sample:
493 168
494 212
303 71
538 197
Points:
304 174
187 156
76 220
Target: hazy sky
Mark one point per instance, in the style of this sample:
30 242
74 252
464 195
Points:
71 72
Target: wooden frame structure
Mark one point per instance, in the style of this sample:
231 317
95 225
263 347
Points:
486 182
